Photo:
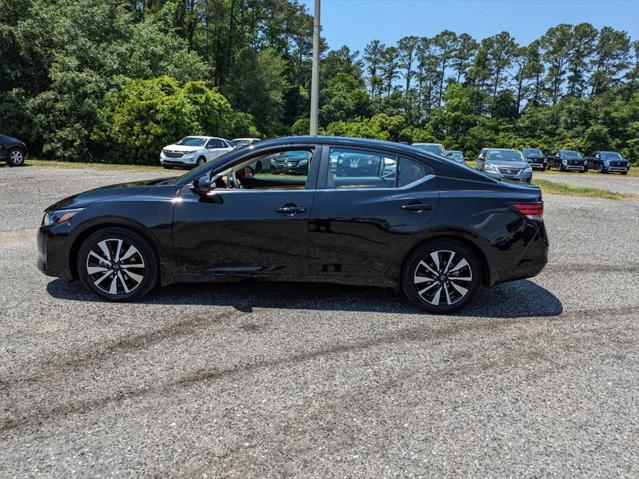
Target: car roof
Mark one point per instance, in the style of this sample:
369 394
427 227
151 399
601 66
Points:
246 138
201 137
501 149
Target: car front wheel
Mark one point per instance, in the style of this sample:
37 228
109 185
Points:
117 264
441 276
16 157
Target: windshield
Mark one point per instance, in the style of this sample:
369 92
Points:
456 155
571 154
430 147
191 141
239 143
532 152
503 155
610 155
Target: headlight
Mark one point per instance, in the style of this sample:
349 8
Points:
60 216
528 169
302 163
491 168
564 162
188 154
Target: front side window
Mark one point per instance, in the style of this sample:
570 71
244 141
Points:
282 170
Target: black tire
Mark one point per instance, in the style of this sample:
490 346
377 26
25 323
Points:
168 167
127 272
200 161
16 156
449 295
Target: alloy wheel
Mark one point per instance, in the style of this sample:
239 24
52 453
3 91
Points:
115 266
16 157
443 278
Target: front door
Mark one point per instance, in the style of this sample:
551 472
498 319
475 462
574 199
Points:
252 223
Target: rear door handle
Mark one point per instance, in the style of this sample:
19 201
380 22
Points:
290 210
416 207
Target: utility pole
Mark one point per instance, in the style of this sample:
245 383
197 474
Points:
315 79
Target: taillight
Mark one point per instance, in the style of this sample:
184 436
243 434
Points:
533 211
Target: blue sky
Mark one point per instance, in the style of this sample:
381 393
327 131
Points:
356 22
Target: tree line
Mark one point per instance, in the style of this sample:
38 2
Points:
114 80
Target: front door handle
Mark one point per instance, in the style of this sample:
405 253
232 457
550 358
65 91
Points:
290 210
416 207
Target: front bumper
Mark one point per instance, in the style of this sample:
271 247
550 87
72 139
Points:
521 177
537 163
578 167
181 161
53 255
616 169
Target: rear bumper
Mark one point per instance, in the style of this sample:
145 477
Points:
532 259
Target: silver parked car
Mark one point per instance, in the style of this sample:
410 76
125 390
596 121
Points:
504 163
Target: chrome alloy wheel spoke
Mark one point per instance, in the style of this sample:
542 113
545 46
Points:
443 278
115 266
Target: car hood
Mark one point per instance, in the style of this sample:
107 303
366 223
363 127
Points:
105 193
508 164
183 148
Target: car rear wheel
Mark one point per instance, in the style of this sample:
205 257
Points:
16 157
117 264
441 276
201 160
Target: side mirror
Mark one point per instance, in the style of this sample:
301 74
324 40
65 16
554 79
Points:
203 185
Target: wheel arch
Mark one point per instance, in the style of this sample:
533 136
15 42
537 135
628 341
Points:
467 239
74 249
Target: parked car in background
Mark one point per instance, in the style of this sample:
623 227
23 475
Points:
194 151
455 155
505 163
286 162
482 154
436 148
392 230
608 162
240 142
13 151
535 157
568 160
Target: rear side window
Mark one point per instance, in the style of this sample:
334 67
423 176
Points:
366 169
410 171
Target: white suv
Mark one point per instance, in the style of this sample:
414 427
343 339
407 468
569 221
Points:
194 151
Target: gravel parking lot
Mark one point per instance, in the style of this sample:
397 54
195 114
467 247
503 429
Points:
536 378
611 182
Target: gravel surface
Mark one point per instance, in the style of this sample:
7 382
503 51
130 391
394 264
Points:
536 378
611 182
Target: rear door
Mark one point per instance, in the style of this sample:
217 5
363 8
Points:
366 209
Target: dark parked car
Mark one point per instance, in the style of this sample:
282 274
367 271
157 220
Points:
608 162
13 151
288 162
433 228
504 163
536 158
568 160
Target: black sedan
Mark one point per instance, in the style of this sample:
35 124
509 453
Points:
433 228
13 151
608 162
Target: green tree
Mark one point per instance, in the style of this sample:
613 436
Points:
610 59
